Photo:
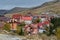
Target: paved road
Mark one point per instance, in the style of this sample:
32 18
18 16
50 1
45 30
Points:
9 37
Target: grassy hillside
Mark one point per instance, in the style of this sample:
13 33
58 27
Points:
54 7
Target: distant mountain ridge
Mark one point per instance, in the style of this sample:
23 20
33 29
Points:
14 10
17 9
2 12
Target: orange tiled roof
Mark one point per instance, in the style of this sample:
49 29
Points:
27 18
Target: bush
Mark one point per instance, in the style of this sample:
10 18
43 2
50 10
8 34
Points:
20 29
55 22
22 24
58 33
36 20
7 27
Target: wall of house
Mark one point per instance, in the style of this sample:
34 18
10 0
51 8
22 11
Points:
13 26
28 21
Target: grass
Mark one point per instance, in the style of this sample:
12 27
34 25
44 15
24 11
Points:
6 27
58 33
18 31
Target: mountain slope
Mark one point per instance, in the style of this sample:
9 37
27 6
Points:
16 10
52 6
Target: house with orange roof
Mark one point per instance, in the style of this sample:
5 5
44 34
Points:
18 17
27 19
22 18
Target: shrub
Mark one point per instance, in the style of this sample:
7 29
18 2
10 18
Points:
22 24
20 29
58 33
36 20
55 22
7 27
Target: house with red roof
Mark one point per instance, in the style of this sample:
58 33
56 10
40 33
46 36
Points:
27 19
21 18
17 17
44 21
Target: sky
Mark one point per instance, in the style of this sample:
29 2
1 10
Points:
9 4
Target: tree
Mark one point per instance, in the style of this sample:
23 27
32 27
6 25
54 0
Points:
55 21
36 20
56 24
21 32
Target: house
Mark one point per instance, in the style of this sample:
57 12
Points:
44 22
31 29
27 19
22 18
34 28
13 25
47 23
17 17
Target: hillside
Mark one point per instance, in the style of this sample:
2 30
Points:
48 6
16 10
53 7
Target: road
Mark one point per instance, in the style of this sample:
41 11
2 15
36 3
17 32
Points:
13 37
9 37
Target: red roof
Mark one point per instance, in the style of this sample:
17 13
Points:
40 24
27 18
46 22
16 16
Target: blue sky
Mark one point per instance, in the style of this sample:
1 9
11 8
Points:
9 4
